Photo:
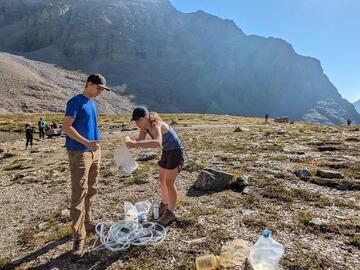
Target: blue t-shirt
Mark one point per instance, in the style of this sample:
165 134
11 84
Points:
41 123
83 110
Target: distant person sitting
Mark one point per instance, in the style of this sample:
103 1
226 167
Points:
348 122
41 126
54 125
29 130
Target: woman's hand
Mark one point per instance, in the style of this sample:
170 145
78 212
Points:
132 144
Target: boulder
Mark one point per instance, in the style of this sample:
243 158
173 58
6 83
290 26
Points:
283 119
213 180
147 156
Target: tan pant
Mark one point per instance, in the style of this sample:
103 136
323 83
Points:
84 169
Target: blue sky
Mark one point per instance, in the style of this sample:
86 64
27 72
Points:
328 30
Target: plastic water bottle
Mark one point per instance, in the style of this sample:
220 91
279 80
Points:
266 253
156 210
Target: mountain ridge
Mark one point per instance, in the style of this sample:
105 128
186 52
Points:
178 62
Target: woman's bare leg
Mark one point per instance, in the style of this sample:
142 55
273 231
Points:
163 186
171 187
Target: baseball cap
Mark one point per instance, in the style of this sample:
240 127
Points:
99 80
138 113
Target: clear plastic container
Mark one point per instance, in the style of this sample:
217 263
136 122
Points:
266 253
156 209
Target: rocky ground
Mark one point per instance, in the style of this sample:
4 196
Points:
314 213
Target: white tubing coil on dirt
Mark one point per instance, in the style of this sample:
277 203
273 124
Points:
119 236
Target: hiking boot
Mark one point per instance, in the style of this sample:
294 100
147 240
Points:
167 218
78 248
90 227
162 209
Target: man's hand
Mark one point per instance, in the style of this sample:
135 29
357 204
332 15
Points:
93 145
131 144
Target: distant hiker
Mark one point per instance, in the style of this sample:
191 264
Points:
82 143
348 122
29 130
172 158
41 126
266 118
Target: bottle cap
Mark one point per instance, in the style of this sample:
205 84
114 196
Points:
267 233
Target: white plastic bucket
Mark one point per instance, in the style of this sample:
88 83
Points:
124 161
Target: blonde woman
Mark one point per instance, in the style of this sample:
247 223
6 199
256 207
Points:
172 158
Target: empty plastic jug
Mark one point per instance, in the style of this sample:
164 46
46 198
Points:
124 161
266 253
207 262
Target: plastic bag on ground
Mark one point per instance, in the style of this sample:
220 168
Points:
130 212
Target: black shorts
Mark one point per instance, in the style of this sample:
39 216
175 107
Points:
172 159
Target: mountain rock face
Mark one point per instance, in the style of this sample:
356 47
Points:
34 87
172 61
357 105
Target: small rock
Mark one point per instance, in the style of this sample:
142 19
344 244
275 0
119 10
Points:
329 174
247 212
240 129
303 174
147 156
141 182
65 214
213 180
284 119
240 183
319 222
352 139
329 148
282 133
246 191
42 225
344 186
173 123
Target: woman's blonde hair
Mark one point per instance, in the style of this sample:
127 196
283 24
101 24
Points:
154 118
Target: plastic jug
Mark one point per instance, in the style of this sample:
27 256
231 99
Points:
207 262
234 253
124 161
266 253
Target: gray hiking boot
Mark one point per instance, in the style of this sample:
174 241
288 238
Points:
167 218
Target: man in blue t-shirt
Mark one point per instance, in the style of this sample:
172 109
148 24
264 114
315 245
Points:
41 125
82 143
